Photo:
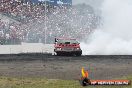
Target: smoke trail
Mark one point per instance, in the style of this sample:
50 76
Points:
114 37
74 22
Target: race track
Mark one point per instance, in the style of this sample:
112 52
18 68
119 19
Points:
65 67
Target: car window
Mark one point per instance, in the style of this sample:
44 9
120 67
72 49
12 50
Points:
61 41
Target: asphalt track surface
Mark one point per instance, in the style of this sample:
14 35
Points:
65 67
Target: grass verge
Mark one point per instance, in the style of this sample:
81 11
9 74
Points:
8 82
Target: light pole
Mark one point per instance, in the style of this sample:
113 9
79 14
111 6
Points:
45 30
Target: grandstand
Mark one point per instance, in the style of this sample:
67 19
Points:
27 22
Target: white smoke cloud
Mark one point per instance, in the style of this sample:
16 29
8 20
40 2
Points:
90 2
94 3
78 1
115 36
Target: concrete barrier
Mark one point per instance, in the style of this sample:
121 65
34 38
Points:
27 48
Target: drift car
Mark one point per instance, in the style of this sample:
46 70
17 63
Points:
65 46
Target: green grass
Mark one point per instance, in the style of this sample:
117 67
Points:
8 82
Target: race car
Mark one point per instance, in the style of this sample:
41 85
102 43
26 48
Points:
67 46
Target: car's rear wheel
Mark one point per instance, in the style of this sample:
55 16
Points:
58 54
78 54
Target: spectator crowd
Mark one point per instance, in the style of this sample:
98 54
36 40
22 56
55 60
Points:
33 21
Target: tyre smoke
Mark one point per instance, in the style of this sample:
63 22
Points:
114 37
